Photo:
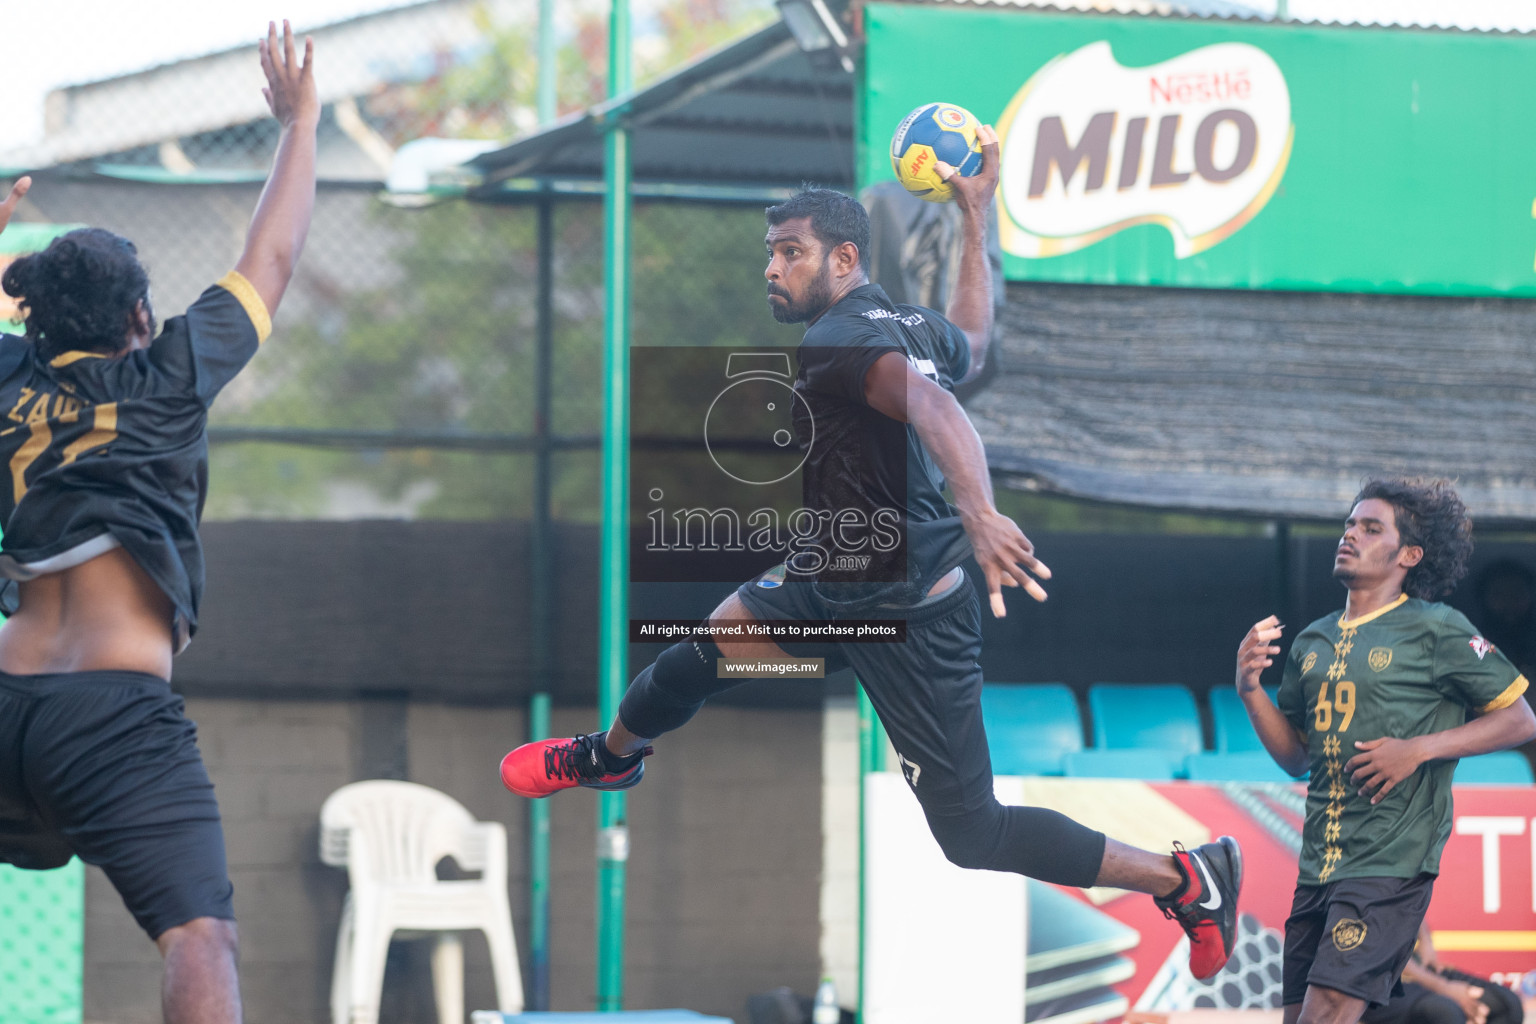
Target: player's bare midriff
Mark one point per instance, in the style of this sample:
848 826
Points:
104 614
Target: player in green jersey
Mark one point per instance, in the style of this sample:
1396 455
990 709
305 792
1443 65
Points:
1374 700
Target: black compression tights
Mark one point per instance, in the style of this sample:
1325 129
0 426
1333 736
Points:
666 694
1031 841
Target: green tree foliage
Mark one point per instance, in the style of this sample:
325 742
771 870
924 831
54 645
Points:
493 95
446 345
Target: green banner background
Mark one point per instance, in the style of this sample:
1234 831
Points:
1413 168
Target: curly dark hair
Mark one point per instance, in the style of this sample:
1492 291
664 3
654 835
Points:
835 218
1430 515
80 292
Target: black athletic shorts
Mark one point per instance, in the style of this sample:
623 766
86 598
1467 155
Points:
106 765
1353 936
927 691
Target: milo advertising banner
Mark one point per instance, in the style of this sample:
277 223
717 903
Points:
1211 153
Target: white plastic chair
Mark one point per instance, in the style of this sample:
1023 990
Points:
390 837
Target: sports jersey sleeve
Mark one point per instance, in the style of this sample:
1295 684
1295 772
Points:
1292 698
836 363
1470 670
215 338
957 349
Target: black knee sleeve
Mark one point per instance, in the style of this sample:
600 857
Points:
1436 1009
1504 1006
1028 841
671 690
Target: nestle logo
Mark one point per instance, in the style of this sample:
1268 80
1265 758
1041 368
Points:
1201 87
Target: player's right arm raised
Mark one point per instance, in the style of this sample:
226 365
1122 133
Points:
1256 653
970 304
281 222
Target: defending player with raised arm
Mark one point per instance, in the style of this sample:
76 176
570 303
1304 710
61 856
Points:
1374 701
105 433
876 379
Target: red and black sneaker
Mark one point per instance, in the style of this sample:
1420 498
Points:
1206 904
548 766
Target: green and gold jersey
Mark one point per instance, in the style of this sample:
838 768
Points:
1412 668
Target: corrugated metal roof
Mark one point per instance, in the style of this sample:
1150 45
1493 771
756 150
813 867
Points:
754 112
1482 16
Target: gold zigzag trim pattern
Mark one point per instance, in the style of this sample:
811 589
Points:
1334 768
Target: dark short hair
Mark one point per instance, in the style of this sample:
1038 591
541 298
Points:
835 218
1429 515
80 292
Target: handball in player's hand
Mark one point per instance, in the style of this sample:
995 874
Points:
932 133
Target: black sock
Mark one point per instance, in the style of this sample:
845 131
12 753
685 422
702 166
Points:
614 763
1182 888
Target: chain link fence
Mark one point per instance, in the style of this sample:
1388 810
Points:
400 377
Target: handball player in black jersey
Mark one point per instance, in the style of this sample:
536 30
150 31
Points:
104 434
876 379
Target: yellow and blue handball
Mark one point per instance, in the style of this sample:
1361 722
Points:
934 132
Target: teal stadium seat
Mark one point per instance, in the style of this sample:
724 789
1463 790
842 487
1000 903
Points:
1030 726
1234 733
1501 768
1152 716
1147 763
1243 766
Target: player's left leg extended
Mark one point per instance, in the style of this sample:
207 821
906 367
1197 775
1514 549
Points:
927 692
664 696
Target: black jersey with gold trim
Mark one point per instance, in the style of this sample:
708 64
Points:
105 451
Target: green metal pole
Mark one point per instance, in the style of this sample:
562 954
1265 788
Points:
547 97
542 540
538 871
871 759
613 645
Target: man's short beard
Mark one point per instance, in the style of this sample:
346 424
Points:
1345 576
818 296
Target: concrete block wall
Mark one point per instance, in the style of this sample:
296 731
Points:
723 881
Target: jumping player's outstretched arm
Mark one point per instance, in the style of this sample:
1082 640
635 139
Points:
1007 558
8 207
970 304
1256 653
281 222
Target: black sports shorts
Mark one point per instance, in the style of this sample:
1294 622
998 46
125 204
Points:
927 691
1353 936
106 765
